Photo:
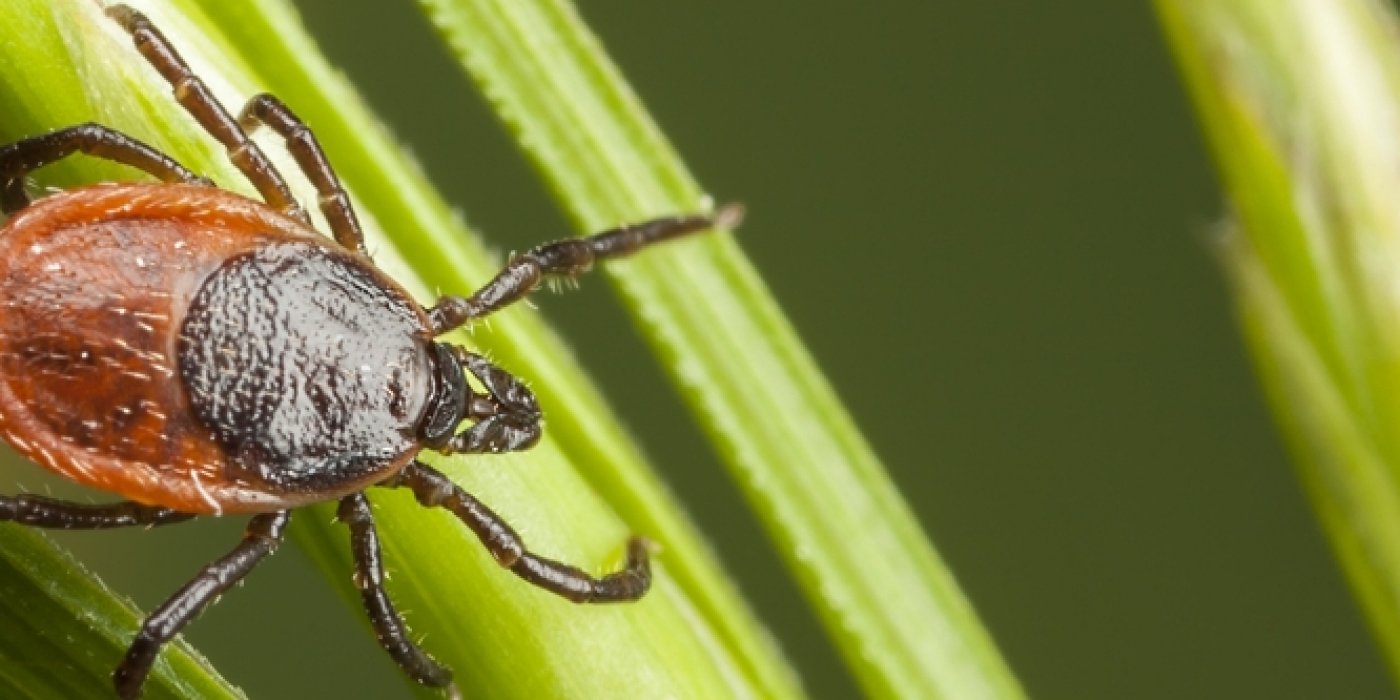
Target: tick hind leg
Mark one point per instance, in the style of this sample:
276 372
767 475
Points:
40 511
196 98
262 536
19 159
389 628
568 258
433 489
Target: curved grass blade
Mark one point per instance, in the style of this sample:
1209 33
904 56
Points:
886 599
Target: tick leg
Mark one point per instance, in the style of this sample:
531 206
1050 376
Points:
262 536
433 489
369 578
39 511
302 144
19 159
568 258
195 97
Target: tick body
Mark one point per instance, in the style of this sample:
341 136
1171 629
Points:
197 352
184 346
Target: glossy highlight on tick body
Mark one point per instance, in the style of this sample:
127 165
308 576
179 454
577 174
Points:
197 352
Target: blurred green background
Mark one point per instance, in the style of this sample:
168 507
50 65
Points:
991 223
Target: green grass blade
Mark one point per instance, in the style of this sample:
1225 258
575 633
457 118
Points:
885 597
65 632
1301 106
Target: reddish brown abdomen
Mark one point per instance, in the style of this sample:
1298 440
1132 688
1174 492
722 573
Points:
94 284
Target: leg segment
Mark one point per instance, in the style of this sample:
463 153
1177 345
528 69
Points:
39 511
433 489
195 97
369 578
19 159
302 143
262 536
568 258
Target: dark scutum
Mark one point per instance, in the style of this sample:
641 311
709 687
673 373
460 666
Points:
308 369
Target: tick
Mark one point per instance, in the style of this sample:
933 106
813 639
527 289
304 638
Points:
197 352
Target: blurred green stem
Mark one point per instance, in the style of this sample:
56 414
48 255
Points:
1300 100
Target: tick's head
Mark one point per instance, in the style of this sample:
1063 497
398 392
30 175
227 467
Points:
505 416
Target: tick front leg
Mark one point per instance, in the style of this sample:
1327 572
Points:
302 144
567 258
40 511
19 159
197 99
260 539
389 628
433 489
